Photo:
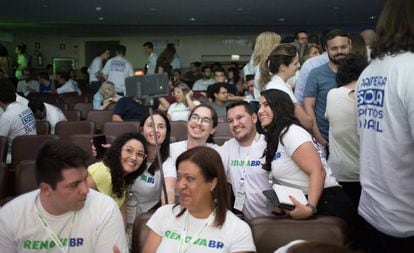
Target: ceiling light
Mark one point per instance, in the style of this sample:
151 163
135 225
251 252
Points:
44 5
101 18
240 9
98 8
372 17
192 19
282 19
153 9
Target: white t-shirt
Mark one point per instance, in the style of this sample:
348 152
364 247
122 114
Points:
385 100
95 66
97 227
246 162
117 69
54 115
234 235
177 148
152 63
147 187
179 111
69 86
343 137
201 84
27 87
277 83
284 169
17 120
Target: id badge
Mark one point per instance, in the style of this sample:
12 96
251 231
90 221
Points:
240 197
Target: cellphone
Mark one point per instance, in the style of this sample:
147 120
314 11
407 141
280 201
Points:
274 200
97 142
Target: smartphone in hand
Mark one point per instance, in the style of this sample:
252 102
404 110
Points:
97 142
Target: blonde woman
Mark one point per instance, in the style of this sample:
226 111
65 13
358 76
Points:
264 45
105 96
180 110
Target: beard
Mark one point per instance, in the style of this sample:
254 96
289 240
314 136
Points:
336 60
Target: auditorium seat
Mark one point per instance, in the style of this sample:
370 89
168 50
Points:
72 115
273 232
99 117
84 108
116 128
179 130
42 127
25 177
3 148
140 231
66 128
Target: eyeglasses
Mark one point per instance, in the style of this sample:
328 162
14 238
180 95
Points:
131 152
204 120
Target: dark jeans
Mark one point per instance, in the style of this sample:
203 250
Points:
94 86
353 190
378 242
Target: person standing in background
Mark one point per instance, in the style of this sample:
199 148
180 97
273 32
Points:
95 70
385 102
152 58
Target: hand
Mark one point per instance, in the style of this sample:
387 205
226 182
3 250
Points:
93 148
301 211
189 94
116 249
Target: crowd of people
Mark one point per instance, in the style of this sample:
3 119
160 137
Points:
334 120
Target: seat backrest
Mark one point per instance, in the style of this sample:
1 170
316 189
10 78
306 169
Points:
140 231
42 127
222 129
271 233
84 108
62 106
25 177
116 128
45 96
72 115
3 148
26 147
84 141
71 99
99 117
66 128
220 140
179 130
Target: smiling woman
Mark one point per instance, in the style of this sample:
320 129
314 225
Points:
124 161
201 221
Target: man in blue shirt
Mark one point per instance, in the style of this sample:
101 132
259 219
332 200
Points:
321 80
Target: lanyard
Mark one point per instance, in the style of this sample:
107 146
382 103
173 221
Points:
184 246
243 168
49 230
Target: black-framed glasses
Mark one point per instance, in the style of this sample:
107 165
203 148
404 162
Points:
195 118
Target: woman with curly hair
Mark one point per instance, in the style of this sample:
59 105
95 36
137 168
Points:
124 161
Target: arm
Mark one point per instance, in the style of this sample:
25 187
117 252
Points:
170 184
164 104
189 100
91 183
304 118
307 158
152 242
309 103
116 117
123 209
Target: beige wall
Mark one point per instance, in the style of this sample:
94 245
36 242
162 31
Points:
191 47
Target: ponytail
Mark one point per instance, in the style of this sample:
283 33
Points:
265 75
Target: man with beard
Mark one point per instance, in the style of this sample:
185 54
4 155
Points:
321 80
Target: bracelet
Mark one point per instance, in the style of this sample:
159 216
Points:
314 210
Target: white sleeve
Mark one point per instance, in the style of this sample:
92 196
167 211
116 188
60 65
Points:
4 127
111 229
242 238
155 223
168 167
7 243
105 69
295 137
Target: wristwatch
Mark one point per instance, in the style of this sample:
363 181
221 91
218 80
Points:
314 210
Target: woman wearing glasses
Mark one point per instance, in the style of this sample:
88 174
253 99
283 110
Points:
124 161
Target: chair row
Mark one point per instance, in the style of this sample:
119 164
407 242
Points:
70 98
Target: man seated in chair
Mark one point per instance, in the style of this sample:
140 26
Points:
47 112
63 214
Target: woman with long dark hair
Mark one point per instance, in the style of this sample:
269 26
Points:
294 159
124 161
